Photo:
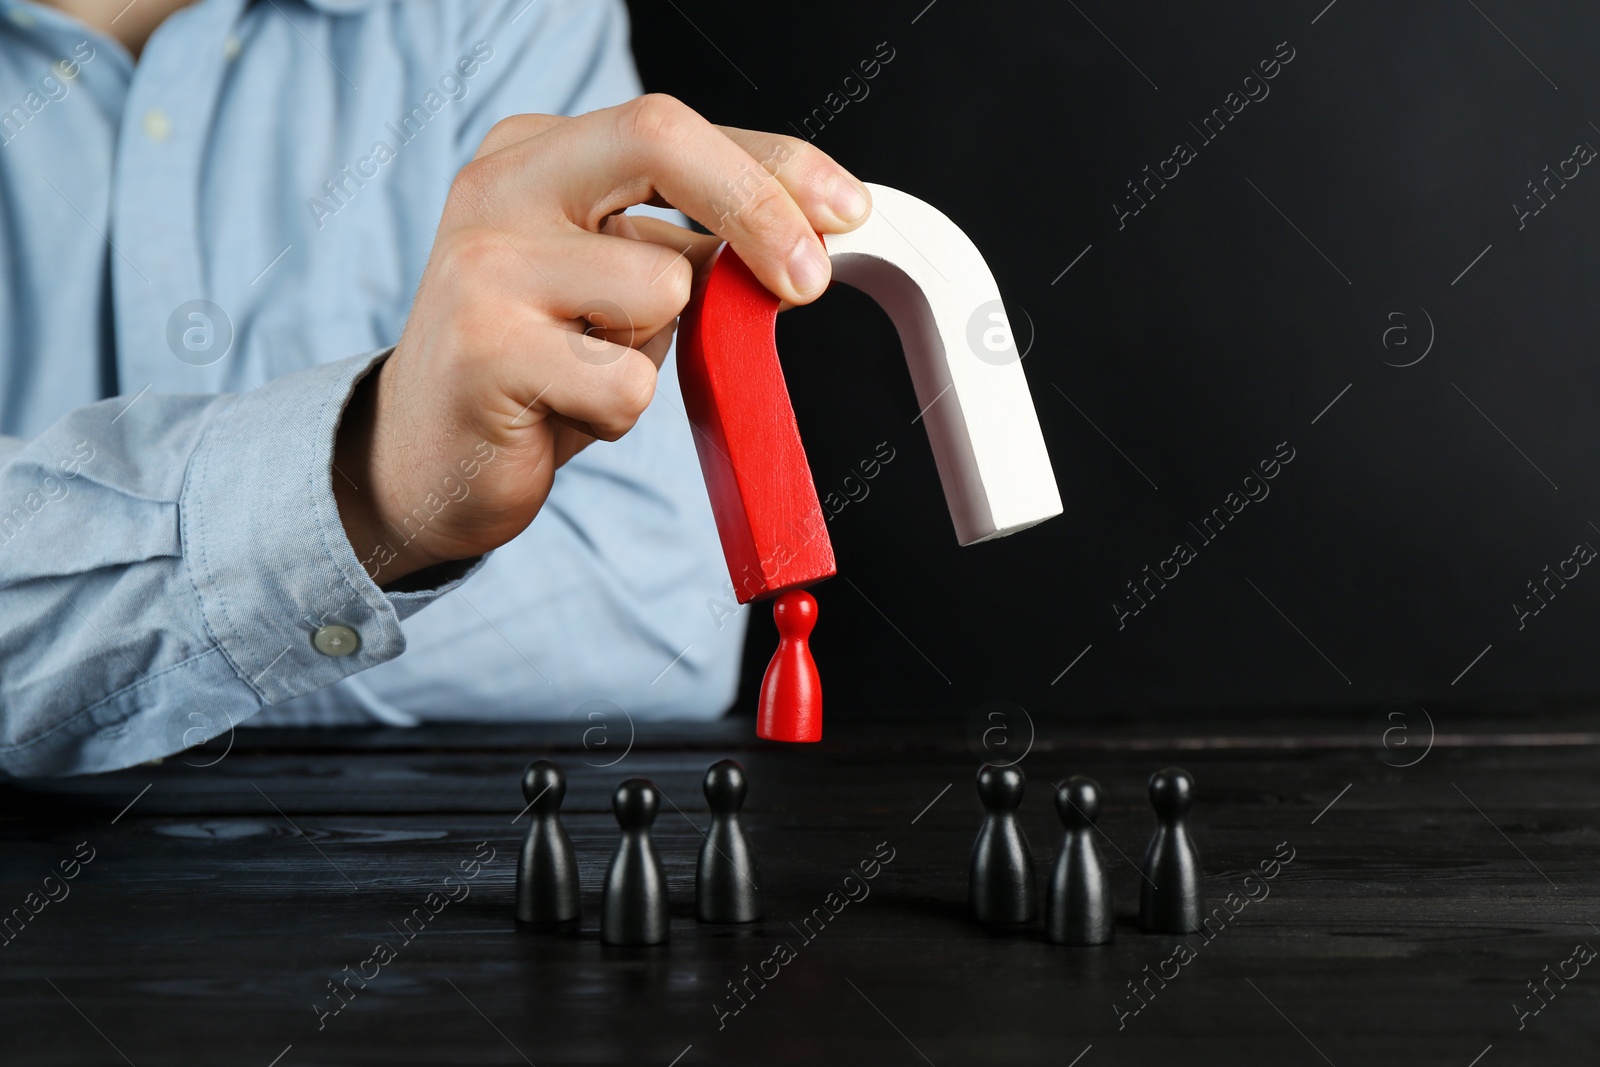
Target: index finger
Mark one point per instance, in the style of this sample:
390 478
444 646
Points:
831 197
657 148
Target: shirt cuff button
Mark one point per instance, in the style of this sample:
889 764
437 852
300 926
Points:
336 640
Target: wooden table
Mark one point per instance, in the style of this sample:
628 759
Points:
222 901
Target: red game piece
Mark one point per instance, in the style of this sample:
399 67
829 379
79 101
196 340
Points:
791 690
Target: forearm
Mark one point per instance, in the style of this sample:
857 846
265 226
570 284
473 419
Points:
175 554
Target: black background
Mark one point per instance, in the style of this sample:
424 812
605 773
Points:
1200 336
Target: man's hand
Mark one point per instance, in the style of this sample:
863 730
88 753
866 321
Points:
544 313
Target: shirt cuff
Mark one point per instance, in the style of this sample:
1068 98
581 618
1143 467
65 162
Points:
435 582
266 551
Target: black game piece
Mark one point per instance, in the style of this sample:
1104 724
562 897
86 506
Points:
725 883
634 908
547 871
1169 899
1077 907
1002 887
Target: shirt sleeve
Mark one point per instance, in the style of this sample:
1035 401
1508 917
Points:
166 563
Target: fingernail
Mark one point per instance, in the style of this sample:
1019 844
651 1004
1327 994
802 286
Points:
846 199
808 267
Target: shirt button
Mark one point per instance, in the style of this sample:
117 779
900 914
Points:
230 47
336 640
20 16
157 125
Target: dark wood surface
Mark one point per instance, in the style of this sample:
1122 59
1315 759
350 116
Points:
220 904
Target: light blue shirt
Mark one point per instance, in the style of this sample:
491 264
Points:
169 541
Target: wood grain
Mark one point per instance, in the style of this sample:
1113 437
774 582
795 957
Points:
219 905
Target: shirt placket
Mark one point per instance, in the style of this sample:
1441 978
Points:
158 277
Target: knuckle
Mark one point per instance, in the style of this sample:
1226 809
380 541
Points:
810 171
500 134
514 129
656 118
769 210
511 129
806 157
473 184
473 253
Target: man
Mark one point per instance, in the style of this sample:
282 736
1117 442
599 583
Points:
363 303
